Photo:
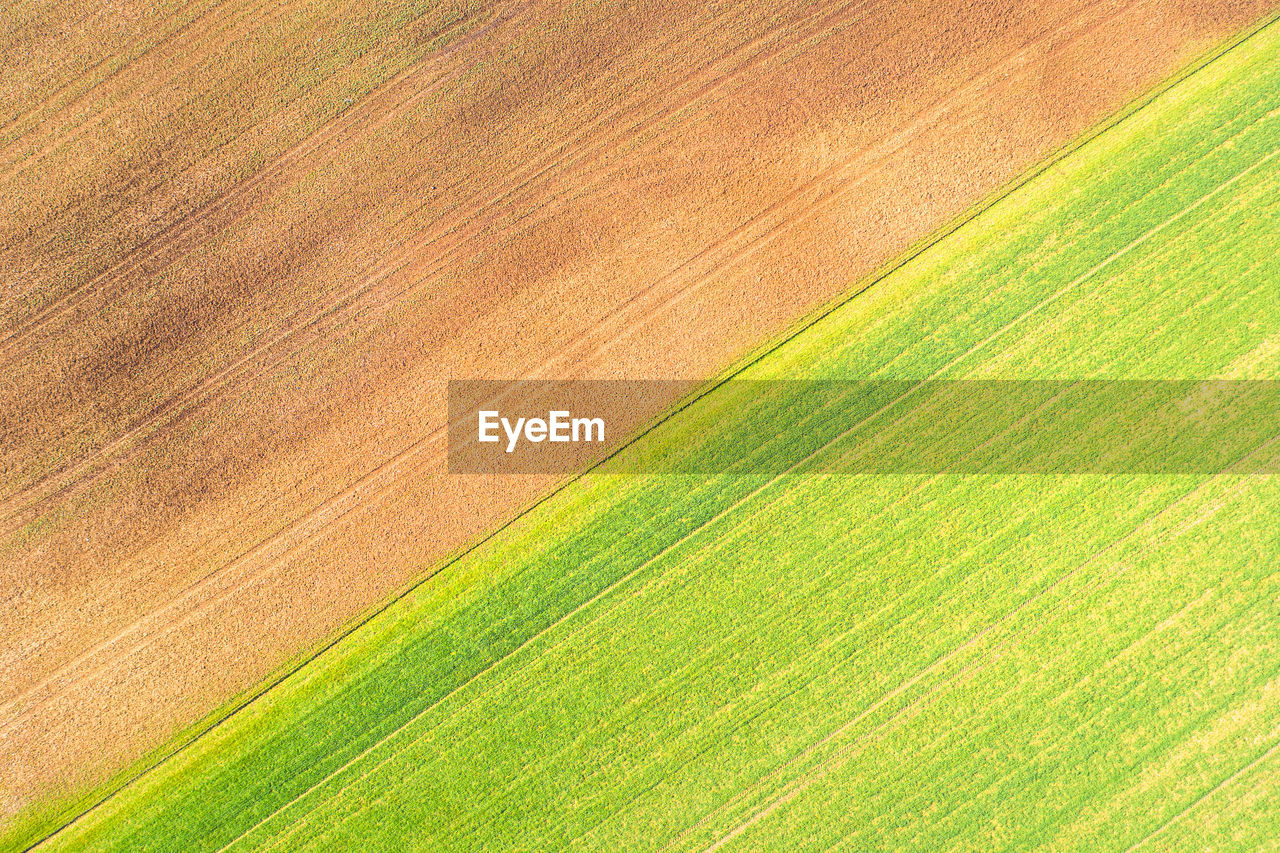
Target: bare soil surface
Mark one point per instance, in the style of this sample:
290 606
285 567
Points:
243 246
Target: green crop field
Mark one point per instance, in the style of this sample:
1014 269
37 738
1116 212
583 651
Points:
802 659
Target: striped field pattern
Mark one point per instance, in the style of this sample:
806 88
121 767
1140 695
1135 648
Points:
811 661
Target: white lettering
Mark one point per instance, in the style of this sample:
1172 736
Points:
513 435
587 424
488 421
559 426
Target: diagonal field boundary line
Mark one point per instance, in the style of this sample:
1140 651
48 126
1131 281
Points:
833 639
1075 282
896 502
330 506
273 540
738 798
217 719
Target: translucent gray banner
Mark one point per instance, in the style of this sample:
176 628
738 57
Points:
866 426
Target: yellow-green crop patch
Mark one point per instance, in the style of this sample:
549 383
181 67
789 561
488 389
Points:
809 660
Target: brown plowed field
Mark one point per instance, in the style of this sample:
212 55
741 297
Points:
243 244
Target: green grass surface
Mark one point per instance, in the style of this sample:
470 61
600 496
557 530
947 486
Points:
805 660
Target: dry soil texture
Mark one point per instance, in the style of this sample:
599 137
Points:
244 243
